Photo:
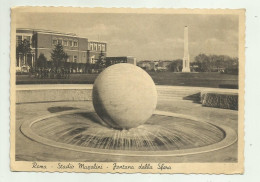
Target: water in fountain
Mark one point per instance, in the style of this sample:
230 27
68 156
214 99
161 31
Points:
159 133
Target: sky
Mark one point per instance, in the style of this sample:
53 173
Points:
145 36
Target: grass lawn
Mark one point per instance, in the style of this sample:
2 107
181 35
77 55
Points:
214 80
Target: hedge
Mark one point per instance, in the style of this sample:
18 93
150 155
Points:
220 100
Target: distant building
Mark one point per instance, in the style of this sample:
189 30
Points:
79 49
147 65
95 48
122 59
163 65
154 65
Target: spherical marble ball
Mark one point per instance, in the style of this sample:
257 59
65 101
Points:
124 96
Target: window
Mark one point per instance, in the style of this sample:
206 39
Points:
65 43
18 40
60 41
70 43
54 42
75 44
103 48
27 38
99 47
75 58
91 47
95 47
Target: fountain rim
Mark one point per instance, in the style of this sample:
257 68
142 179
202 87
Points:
229 139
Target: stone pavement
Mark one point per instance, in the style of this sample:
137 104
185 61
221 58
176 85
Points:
29 150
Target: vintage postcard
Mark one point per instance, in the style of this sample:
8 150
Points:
127 90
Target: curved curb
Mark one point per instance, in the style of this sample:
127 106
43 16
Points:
230 138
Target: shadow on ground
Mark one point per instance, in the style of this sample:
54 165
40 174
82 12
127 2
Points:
194 97
60 109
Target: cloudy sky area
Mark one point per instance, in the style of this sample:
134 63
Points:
145 36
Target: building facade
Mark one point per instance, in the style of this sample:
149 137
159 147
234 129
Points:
155 65
120 59
79 49
163 65
95 50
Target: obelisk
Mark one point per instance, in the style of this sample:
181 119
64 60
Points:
186 58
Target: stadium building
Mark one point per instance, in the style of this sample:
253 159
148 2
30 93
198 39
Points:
79 49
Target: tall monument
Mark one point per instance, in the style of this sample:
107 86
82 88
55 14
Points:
186 58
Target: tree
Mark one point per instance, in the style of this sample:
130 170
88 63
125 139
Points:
41 61
23 48
175 66
108 63
209 63
58 56
101 62
203 63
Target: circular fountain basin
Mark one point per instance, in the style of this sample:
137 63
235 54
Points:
164 134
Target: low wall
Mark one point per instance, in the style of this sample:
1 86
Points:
69 92
51 93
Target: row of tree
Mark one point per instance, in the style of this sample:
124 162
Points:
212 63
208 63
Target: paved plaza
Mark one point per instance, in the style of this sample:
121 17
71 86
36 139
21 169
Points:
29 150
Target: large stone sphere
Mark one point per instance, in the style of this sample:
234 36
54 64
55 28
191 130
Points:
124 96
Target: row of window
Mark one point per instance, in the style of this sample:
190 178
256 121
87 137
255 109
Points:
70 43
65 42
20 38
96 47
